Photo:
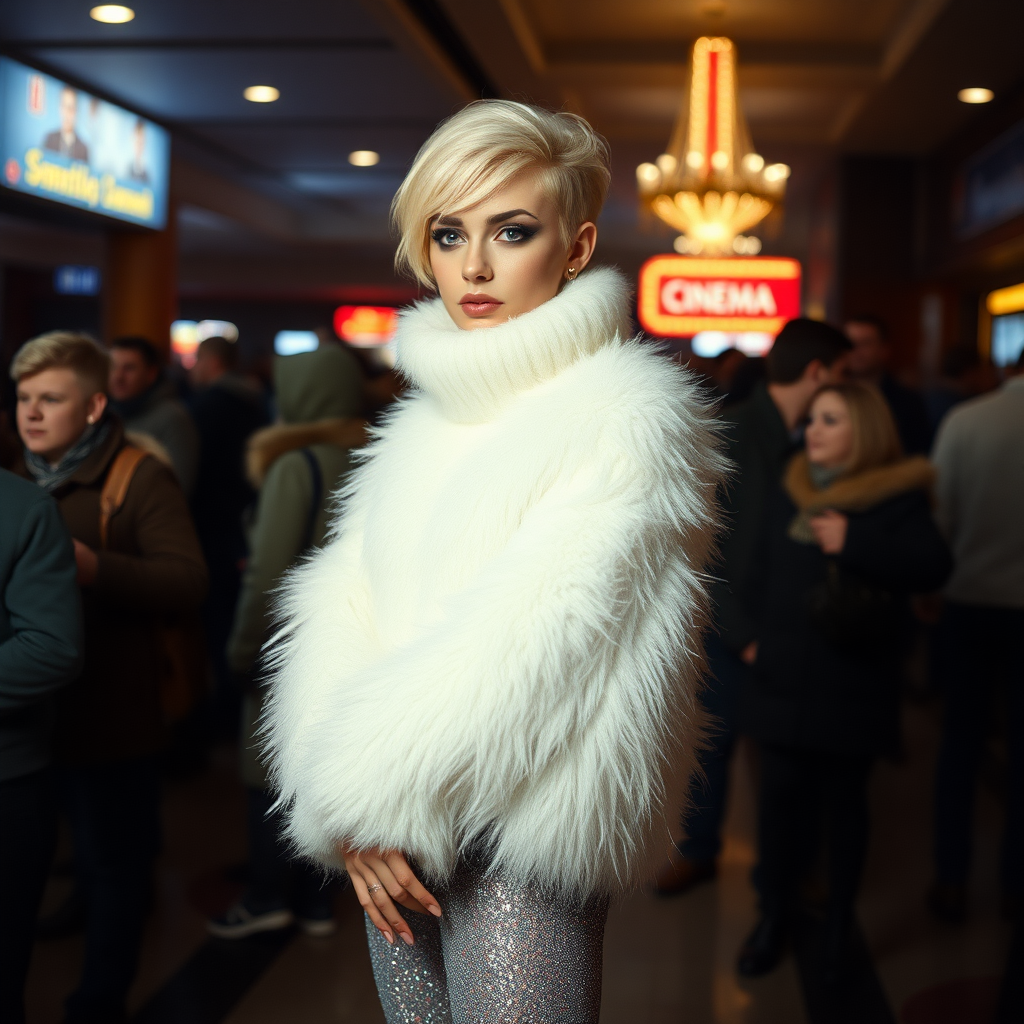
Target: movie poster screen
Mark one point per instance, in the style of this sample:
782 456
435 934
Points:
64 144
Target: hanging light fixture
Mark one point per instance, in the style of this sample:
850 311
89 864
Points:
710 184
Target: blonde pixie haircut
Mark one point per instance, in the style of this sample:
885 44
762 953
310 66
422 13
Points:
876 442
480 150
60 349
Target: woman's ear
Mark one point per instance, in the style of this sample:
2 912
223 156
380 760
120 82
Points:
95 407
583 245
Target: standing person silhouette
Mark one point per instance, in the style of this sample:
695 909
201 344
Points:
485 692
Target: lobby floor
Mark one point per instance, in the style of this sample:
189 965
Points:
665 960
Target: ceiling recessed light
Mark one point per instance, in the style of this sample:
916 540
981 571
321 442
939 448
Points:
112 14
261 94
975 95
363 158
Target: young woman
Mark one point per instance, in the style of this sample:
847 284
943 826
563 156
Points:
484 694
851 535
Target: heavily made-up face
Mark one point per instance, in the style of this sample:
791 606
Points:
504 256
54 409
829 433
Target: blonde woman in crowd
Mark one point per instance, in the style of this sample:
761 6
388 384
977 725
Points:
484 694
851 536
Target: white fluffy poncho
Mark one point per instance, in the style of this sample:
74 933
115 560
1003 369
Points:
502 638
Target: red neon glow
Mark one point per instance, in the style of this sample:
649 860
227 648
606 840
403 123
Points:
365 326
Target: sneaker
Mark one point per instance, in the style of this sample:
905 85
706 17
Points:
239 922
318 927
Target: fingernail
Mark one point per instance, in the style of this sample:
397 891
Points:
436 911
390 938
409 940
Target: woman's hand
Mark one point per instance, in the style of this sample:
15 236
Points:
830 531
88 564
382 878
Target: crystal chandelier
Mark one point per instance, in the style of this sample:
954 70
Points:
710 184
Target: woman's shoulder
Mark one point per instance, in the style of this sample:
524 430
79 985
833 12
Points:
631 388
905 485
898 506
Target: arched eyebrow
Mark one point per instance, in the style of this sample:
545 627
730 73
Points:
449 221
498 217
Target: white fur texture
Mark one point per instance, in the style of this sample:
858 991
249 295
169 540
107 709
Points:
502 640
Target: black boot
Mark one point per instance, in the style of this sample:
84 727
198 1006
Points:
763 949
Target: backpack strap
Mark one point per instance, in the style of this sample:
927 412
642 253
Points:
318 494
115 487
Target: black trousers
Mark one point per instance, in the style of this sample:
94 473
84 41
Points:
981 654
114 810
702 825
805 795
28 823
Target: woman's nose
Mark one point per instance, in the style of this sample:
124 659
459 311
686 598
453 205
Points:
475 268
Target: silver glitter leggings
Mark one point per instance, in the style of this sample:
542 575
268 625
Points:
502 953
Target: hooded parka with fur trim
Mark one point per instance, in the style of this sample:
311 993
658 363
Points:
501 643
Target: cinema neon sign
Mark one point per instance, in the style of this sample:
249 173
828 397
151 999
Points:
680 296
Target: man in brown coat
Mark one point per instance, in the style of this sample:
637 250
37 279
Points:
145 573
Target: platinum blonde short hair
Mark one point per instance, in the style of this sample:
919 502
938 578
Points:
64 349
480 150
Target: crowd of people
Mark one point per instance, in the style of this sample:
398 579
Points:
146 526
836 519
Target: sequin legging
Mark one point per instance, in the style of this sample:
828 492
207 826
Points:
502 953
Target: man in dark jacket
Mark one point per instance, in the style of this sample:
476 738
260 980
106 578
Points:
869 362
40 651
147 404
227 411
761 433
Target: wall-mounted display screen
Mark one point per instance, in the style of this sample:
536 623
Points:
990 188
1005 339
61 143
291 343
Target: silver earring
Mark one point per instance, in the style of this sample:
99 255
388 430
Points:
90 420
571 273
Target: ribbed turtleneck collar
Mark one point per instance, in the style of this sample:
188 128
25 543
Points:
472 375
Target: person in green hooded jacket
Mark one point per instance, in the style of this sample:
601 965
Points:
296 465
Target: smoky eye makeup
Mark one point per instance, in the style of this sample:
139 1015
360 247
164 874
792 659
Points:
446 238
516 233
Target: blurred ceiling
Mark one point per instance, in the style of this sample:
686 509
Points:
818 72
272 182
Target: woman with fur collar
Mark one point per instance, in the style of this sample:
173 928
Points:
851 537
483 697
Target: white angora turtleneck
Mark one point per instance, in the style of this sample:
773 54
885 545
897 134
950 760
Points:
501 642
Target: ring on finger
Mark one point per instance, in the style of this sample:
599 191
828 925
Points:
373 888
